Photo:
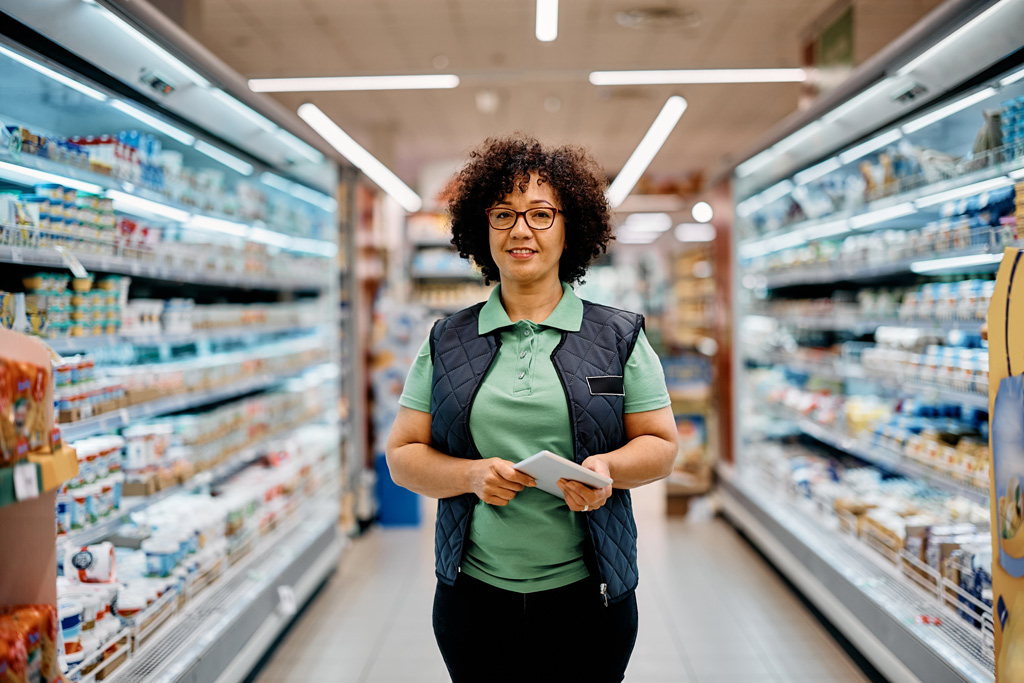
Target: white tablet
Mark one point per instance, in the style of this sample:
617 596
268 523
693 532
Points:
547 468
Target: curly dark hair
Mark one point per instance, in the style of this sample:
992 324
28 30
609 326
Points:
500 165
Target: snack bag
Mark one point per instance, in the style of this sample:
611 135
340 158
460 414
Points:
37 428
13 658
29 639
8 435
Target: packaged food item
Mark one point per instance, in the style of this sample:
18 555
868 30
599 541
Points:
92 564
161 556
13 658
69 613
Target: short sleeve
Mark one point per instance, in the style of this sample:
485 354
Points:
644 379
416 394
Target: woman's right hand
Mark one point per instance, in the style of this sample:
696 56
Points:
496 481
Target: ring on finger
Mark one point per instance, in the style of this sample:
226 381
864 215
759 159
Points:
586 508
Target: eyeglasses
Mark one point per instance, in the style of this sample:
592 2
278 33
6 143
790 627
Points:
540 218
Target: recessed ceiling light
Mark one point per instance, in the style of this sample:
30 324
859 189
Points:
697 76
702 212
342 83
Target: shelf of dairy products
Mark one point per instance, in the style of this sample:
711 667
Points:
857 325
66 345
894 208
908 618
129 198
206 579
291 366
130 504
153 269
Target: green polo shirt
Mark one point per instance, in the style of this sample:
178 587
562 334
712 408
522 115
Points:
535 542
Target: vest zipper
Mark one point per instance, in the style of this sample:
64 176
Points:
604 593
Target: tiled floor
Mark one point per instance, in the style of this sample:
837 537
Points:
710 611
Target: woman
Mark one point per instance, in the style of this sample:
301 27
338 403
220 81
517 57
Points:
530 586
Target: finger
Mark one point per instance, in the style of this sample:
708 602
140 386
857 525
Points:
574 501
505 470
501 492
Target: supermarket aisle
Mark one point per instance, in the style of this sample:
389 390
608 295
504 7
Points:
710 612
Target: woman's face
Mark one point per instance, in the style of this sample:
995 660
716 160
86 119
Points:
524 255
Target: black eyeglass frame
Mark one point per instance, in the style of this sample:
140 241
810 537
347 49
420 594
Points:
523 214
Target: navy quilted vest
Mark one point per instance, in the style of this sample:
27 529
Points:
602 346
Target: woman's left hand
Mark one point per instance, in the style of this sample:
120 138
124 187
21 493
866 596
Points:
582 498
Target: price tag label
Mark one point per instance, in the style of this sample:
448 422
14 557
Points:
72 262
26 481
16 256
287 604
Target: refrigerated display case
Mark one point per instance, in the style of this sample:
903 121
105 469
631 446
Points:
183 249
868 231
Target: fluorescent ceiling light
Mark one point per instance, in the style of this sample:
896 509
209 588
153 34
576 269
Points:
54 75
756 163
939 47
829 229
337 83
363 160
301 146
153 122
955 262
815 172
260 120
647 222
961 192
30 176
950 109
152 46
645 152
1012 78
137 205
702 212
870 146
229 160
210 224
694 76
875 217
695 232
547 20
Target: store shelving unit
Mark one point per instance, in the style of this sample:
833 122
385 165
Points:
860 198
225 620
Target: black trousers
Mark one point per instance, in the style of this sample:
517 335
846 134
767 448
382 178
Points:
490 635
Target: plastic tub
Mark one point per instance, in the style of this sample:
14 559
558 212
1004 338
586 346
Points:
69 613
161 555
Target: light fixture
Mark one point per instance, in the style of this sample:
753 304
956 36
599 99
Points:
229 160
795 139
872 145
759 201
1012 78
1018 174
301 146
547 20
855 103
645 152
702 212
363 160
30 176
948 110
955 262
277 182
875 217
137 205
153 122
965 191
647 222
339 83
152 46
939 47
275 239
696 76
637 237
828 229
695 232
299 191
54 75
318 247
260 120
815 172
211 224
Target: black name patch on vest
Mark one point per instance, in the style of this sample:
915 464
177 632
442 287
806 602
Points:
606 385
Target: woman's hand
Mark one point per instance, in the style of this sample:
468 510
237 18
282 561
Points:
582 498
496 481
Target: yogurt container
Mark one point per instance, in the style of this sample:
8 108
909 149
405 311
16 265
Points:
69 613
161 555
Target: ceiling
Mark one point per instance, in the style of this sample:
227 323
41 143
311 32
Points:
490 44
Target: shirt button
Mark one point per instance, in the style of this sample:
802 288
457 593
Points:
526 333
523 354
522 375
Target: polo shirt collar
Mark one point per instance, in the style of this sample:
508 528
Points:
567 316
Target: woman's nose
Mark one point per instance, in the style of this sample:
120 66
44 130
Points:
520 228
